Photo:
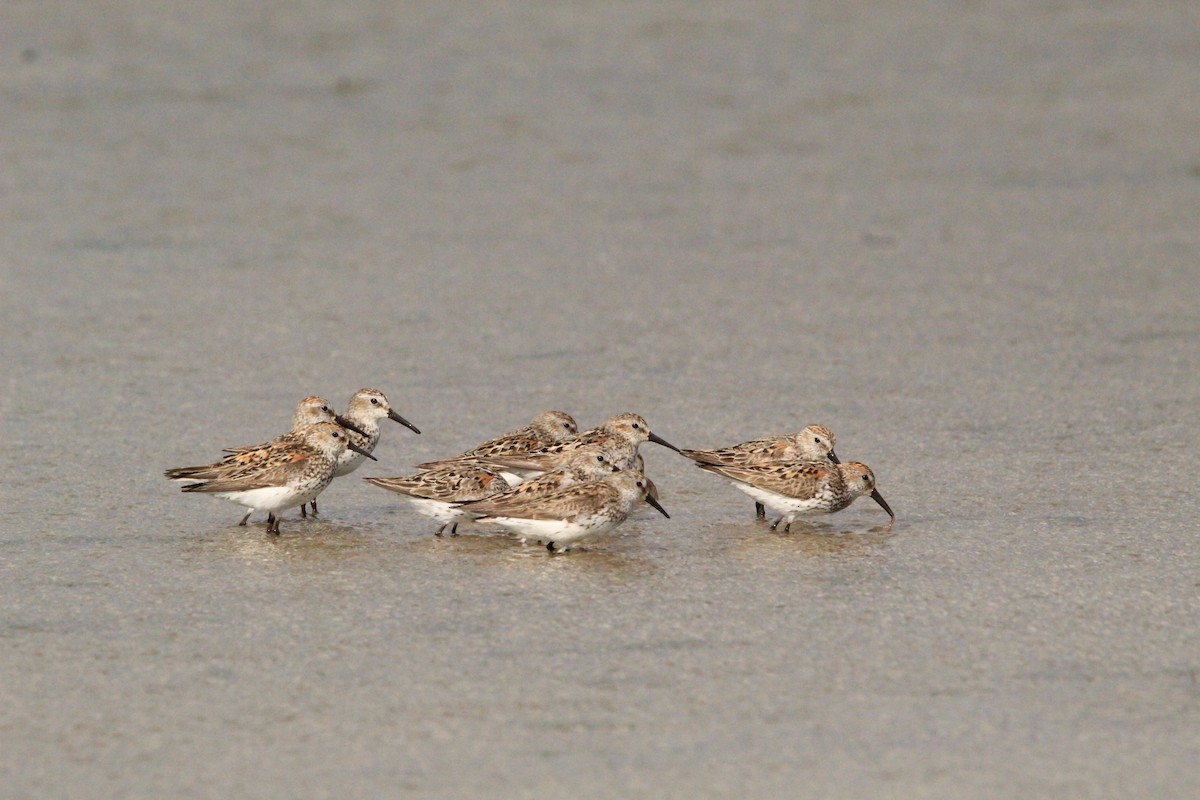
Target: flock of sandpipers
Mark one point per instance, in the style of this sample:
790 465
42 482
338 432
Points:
546 482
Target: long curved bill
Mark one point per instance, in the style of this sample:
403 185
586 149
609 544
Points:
392 415
878 498
654 502
654 437
352 446
350 426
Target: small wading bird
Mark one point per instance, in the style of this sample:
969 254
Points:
803 488
279 478
366 408
623 432
437 492
813 443
562 518
547 428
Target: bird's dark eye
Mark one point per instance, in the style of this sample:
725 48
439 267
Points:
600 459
636 426
336 435
374 401
817 439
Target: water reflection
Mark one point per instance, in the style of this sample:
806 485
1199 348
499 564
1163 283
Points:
614 554
301 541
811 540
329 544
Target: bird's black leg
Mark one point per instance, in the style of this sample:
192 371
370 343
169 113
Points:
760 511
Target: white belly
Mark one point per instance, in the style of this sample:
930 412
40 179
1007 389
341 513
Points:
561 532
789 507
350 460
347 463
440 510
271 499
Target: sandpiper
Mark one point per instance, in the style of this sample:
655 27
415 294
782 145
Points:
366 408
279 478
436 493
564 517
812 443
587 464
310 411
547 428
801 488
623 431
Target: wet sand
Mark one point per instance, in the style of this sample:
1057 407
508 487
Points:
963 237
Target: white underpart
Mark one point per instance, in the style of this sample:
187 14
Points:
271 499
440 510
350 460
559 531
788 507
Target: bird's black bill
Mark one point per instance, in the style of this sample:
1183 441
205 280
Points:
878 498
352 446
350 426
833 457
654 437
655 503
392 415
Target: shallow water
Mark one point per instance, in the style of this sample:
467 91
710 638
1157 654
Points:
962 237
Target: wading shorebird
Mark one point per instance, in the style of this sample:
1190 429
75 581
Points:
562 518
278 478
547 428
803 488
812 443
438 492
366 408
623 431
